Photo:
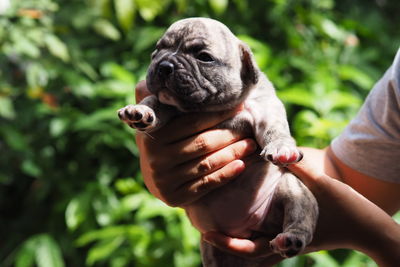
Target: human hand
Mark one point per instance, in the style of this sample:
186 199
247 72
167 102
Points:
185 160
347 220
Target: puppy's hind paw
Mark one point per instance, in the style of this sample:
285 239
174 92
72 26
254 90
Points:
283 155
139 117
287 244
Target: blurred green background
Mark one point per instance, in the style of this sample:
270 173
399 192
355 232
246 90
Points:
71 192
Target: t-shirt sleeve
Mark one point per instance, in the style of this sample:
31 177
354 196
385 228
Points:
370 144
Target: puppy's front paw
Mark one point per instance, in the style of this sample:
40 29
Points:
140 117
287 244
281 155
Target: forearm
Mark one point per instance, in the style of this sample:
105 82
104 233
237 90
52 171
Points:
383 244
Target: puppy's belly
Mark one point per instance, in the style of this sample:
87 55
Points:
239 207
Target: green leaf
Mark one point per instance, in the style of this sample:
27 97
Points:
48 253
396 217
333 30
146 37
106 29
357 76
128 186
125 11
106 233
58 127
96 120
298 96
14 138
149 9
37 75
77 211
118 72
153 207
358 259
6 108
103 250
31 168
322 258
56 47
26 254
218 6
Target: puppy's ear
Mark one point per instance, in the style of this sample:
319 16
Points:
249 70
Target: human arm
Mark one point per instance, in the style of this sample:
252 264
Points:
347 219
198 162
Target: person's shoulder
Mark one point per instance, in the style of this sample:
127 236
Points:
395 71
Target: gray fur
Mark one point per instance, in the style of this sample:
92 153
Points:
265 199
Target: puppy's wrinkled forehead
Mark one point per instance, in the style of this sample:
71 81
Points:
197 34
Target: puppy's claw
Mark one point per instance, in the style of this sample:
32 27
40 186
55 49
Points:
282 156
287 244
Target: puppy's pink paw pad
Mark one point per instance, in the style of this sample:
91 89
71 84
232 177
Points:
282 156
140 117
287 245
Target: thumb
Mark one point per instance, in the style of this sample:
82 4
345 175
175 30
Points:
310 170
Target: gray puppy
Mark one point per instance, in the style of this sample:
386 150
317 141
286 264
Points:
200 66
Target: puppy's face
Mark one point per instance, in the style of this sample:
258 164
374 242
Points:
199 65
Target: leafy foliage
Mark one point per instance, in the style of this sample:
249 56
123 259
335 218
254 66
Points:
71 192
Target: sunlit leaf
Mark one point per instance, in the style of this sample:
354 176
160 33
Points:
218 6
103 249
107 233
26 254
77 211
298 96
48 253
56 47
58 126
118 72
322 258
355 75
125 11
149 9
31 168
153 207
106 29
358 259
333 30
6 108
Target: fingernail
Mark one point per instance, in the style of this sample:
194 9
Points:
239 166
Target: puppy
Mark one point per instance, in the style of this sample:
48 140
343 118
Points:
200 66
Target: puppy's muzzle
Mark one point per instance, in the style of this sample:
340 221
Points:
165 68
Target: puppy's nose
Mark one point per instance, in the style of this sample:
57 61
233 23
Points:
165 68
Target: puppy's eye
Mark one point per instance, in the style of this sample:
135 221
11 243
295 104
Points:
205 57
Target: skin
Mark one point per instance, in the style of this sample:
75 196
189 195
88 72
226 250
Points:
355 209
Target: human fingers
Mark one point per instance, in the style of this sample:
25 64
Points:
189 181
179 183
191 148
245 248
310 170
197 188
187 125
210 163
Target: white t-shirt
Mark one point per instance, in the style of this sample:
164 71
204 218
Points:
370 144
